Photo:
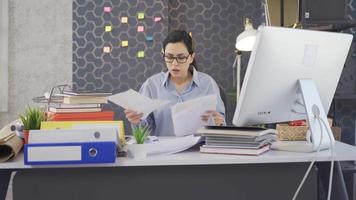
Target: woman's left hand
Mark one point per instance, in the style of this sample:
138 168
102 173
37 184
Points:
218 118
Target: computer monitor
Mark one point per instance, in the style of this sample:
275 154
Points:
290 73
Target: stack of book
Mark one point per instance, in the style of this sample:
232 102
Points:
236 140
80 106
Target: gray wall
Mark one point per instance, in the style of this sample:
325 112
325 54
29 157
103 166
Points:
40 48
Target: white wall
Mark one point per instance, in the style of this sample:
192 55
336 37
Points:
4 21
40 49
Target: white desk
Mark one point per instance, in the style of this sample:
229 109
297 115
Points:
343 152
275 175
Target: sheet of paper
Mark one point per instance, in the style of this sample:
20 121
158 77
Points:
135 101
170 145
186 116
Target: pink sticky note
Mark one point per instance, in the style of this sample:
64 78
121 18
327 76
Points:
157 18
107 9
140 29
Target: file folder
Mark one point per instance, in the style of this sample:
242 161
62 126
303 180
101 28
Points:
49 125
71 136
69 153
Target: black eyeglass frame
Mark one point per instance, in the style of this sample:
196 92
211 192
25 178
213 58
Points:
175 58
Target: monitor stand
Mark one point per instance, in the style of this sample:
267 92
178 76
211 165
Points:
312 104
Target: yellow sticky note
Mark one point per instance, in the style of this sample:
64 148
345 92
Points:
190 33
108 28
107 49
124 43
140 54
124 20
141 15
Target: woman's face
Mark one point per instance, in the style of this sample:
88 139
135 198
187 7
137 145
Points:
177 59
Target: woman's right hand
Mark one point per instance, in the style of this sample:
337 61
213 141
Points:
133 116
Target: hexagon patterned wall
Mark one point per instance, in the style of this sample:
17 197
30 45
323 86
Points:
214 25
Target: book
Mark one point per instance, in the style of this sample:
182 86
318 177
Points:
234 131
70 110
87 116
235 151
62 105
84 99
86 93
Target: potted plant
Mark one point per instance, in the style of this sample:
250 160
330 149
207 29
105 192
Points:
140 134
31 120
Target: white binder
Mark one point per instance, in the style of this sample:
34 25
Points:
73 136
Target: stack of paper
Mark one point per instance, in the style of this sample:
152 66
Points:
237 140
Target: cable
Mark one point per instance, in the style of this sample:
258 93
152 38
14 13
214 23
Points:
311 164
332 158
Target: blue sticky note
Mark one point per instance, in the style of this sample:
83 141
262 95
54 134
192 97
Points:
149 38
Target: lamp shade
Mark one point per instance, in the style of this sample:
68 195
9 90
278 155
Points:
246 39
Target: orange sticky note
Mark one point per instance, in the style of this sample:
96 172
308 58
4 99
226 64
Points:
124 43
140 54
124 20
141 15
157 18
107 49
107 9
140 29
108 28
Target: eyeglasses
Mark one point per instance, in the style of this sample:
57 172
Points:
179 59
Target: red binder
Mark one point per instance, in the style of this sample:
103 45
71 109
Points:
87 116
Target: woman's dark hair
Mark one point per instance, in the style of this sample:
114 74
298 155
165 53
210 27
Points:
181 36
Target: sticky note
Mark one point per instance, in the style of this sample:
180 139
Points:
124 43
149 38
140 54
107 49
107 9
190 33
141 15
124 20
108 28
140 29
157 18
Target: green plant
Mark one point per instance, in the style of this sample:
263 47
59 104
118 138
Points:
141 133
32 118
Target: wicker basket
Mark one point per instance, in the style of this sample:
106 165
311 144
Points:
295 133
291 133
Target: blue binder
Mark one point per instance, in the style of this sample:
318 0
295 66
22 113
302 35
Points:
69 153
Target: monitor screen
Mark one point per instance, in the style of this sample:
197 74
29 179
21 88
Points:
281 57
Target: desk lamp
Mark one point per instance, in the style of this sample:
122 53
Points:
244 42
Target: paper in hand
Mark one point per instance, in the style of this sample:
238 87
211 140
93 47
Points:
135 101
186 116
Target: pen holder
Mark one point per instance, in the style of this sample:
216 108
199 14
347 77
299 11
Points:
137 151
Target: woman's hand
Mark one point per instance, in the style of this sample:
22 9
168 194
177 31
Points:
217 117
133 116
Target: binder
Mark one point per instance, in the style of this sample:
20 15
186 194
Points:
69 136
69 153
49 125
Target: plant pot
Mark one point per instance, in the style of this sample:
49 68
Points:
25 135
137 150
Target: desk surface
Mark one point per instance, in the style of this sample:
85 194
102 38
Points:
343 152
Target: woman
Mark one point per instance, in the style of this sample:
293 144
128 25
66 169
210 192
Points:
180 83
